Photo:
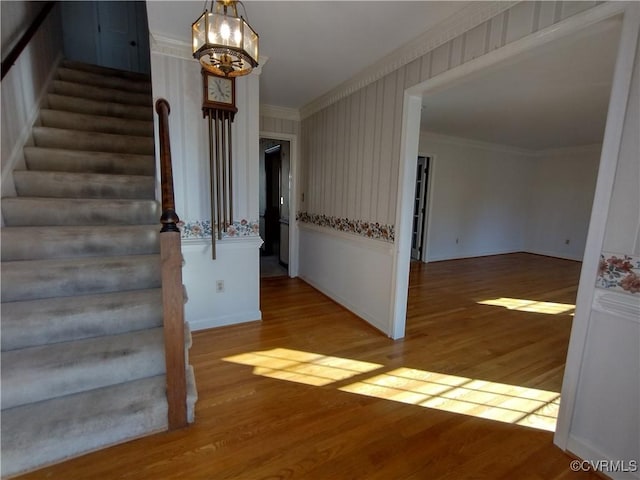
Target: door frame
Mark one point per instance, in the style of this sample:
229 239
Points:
608 161
293 195
426 204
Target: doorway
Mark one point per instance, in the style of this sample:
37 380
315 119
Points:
111 34
274 206
419 225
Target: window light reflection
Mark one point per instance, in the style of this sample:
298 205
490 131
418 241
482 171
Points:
501 402
302 367
529 305
493 401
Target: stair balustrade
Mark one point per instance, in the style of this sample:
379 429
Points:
172 289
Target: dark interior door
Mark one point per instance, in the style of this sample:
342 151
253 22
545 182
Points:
273 165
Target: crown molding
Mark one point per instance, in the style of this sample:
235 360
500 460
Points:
426 135
169 46
177 48
467 18
282 113
573 150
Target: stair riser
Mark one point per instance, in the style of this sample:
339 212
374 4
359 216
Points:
98 80
51 212
85 421
65 185
106 71
39 322
102 94
59 278
89 162
91 107
82 322
41 373
92 141
33 243
93 123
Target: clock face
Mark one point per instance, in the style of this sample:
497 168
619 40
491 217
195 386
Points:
219 90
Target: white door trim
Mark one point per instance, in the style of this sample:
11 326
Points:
409 151
293 196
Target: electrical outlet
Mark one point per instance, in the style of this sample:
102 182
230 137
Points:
219 286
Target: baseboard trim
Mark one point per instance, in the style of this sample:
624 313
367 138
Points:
367 317
224 320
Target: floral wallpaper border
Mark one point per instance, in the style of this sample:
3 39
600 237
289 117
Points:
202 229
357 227
619 272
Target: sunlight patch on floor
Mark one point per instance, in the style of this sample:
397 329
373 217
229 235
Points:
524 305
302 367
501 402
490 400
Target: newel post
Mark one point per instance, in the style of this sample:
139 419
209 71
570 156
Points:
172 289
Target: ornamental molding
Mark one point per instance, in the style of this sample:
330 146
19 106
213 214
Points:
462 21
282 113
171 47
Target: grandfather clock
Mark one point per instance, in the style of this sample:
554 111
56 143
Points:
219 107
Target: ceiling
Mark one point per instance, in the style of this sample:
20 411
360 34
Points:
313 46
555 96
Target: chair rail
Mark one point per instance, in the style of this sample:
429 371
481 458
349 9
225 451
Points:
26 37
172 289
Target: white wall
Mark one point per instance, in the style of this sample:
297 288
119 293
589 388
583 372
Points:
496 199
561 188
477 203
326 258
176 77
23 88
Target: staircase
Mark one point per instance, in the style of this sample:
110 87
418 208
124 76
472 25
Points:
82 339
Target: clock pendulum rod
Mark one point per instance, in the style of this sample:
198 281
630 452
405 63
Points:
229 120
225 193
212 183
219 224
220 173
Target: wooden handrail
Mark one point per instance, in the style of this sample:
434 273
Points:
169 217
172 289
26 37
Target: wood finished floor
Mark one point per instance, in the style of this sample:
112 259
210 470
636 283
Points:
251 426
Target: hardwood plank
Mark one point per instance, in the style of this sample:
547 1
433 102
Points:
250 426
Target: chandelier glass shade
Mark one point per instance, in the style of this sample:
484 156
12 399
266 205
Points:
223 42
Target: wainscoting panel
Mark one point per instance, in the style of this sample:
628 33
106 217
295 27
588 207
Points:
327 261
237 266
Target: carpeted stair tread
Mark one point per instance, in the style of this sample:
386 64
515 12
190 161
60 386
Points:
103 94
33 243
82 331
101 80
53 320
31 183
55 159
94 107
92 141
78 276
25 211
39 373
95 123
107 71
65 427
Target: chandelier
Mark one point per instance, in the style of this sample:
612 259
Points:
223 42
